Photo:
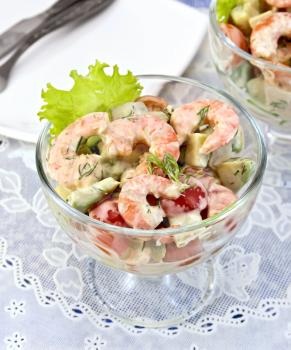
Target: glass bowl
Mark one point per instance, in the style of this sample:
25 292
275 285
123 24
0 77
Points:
145 286
265 88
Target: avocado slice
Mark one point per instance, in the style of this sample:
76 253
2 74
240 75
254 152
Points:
83 198
235 172
193 156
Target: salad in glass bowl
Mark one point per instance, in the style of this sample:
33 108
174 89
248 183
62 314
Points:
250 46
149 175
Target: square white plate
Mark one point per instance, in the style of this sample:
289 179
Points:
144 36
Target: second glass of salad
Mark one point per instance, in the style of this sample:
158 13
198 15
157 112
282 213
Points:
251 50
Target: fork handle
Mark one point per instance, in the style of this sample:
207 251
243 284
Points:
11 38
80 11
58 7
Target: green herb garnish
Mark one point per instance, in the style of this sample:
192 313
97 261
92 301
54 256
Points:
149 210
203 113
169 165
86 170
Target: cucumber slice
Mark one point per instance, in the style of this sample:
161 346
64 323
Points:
128 110
83 198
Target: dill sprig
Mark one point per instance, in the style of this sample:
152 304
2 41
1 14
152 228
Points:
86 170
169 165
203 113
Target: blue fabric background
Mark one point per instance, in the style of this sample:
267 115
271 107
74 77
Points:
197 3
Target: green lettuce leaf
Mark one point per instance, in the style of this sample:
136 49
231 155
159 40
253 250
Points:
96 91
223 9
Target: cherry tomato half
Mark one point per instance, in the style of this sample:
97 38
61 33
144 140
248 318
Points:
107 211
191 199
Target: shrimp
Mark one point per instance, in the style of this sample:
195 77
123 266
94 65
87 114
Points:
186 118
204 175
64 164
123 134
265 36
132 201
221 117
219 197
153 103
279 3
224 121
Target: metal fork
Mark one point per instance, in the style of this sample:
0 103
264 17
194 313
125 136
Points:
78 11
11 38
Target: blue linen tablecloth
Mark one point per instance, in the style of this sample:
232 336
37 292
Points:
197 3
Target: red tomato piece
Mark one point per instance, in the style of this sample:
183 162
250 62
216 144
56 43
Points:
152 200
191 199
235 35
107 211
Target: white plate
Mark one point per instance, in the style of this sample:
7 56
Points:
145 36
